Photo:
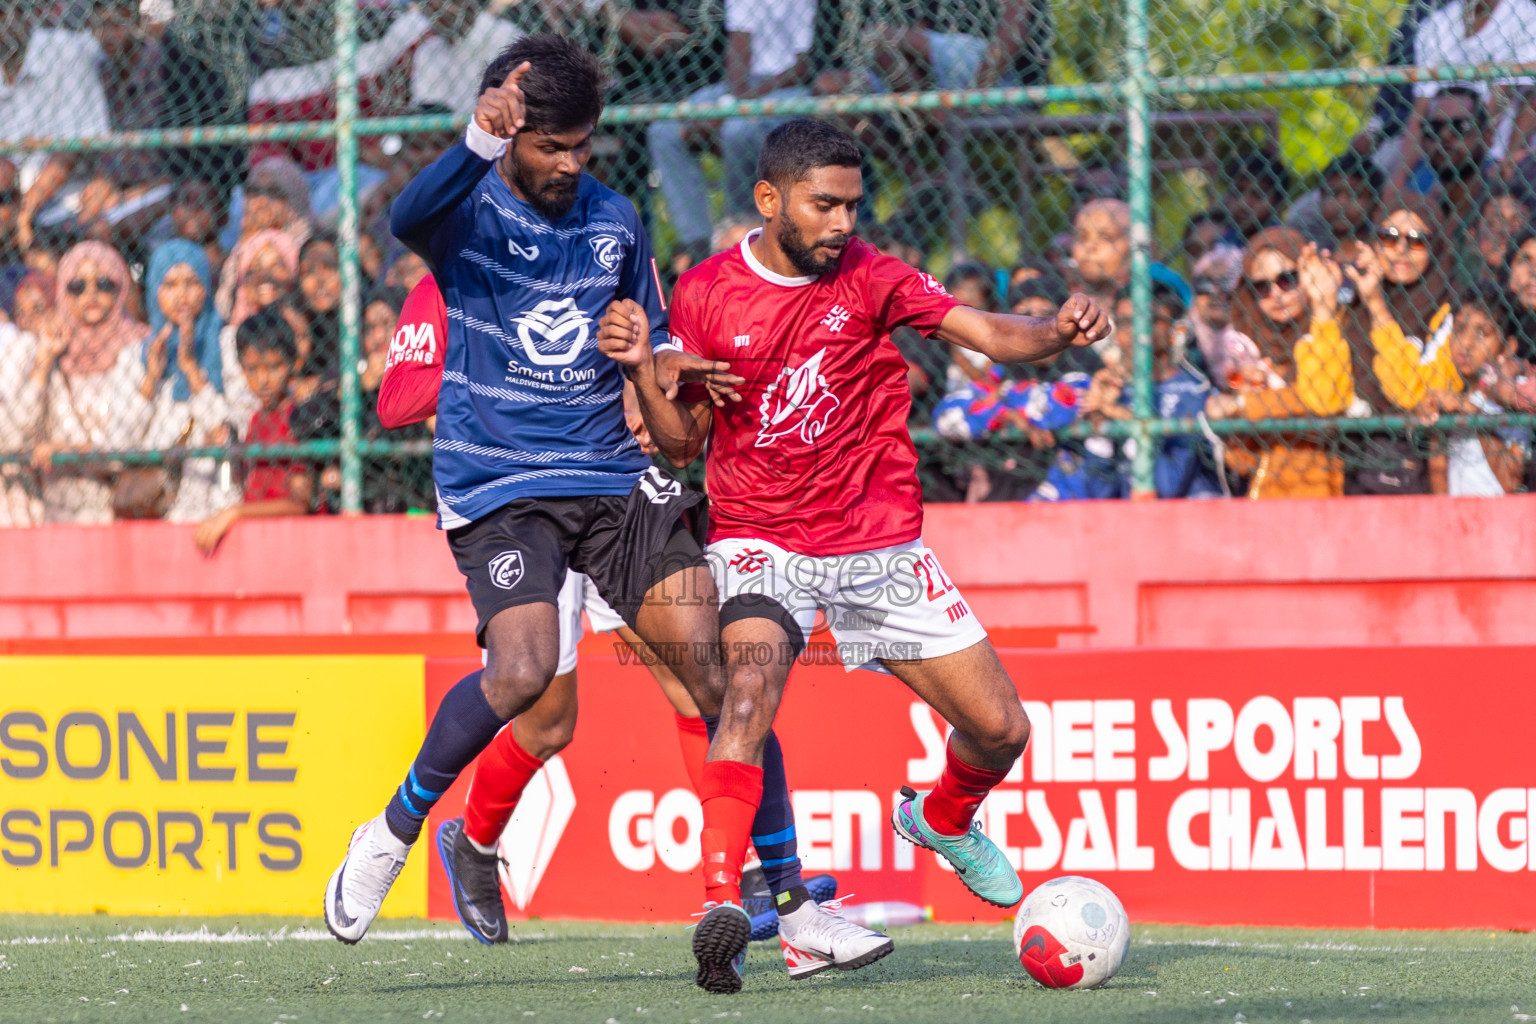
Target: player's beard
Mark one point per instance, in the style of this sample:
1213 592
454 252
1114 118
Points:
803 256
554 198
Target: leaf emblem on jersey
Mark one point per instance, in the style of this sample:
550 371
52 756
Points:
797 401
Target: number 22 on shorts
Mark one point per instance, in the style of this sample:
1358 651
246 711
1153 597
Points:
927 569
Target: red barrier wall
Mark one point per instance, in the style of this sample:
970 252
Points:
1366 787
1360 571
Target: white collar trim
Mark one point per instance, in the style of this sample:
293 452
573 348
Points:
763 272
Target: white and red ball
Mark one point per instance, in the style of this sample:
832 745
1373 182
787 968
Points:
1071 932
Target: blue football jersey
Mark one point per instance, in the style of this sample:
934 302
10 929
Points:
529 407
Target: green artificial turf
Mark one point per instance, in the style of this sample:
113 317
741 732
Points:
277 970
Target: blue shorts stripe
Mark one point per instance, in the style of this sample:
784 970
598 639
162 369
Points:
777 837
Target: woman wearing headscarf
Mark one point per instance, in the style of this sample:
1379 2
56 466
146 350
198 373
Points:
184 376
317 304
93 390
1287 304
261 275
1404 281
1406 289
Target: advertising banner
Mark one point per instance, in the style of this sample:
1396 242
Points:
197 785
1386 787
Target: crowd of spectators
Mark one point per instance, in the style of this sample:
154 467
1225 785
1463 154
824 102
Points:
159 299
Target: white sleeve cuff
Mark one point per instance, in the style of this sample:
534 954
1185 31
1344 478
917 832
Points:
483 144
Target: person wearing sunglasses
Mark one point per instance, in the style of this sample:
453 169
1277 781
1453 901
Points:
1287 303
94 376
1405 288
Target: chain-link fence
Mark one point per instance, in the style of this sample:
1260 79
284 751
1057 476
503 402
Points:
1312 221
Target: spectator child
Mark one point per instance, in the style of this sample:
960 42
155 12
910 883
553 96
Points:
259 278
1473 367
273 487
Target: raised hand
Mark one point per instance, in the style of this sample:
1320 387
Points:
155 360
1082 321
500 110
1320 279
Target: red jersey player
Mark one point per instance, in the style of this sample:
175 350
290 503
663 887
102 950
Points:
815 501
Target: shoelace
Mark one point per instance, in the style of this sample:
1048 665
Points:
378 869
711 905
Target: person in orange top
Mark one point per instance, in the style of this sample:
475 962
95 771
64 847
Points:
1287 303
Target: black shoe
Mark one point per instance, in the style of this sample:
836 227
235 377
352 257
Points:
755 897
476 889
720 946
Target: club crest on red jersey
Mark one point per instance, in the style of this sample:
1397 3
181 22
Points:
797 402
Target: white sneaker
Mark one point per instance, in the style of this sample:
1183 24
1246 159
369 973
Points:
817 936
357 889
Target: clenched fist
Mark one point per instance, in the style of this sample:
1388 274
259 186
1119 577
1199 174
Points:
1082 321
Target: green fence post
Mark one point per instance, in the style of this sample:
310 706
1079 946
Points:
1138 115
346 233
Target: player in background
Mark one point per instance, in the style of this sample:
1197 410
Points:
535 469
413 373
815 502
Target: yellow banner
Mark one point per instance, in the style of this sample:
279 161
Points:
215 785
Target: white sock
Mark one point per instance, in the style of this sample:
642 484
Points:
487 850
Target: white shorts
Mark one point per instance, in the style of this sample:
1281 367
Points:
578 594
892 603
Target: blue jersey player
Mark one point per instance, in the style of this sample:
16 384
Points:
535 468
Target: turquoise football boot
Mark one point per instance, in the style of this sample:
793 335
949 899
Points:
976 859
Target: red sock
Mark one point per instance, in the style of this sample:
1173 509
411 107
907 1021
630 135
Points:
730 793
503 772
693 737
962 787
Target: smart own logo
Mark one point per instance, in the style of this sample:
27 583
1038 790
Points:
557 325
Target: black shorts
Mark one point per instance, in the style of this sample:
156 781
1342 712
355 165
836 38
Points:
626 544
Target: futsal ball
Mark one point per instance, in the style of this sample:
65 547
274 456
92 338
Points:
1071 932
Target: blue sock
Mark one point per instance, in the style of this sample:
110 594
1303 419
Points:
463 726
773 830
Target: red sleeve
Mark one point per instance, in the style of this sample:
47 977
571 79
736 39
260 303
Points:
413 370
683 326
903 296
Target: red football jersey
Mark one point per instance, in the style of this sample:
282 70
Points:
413 369
816 457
